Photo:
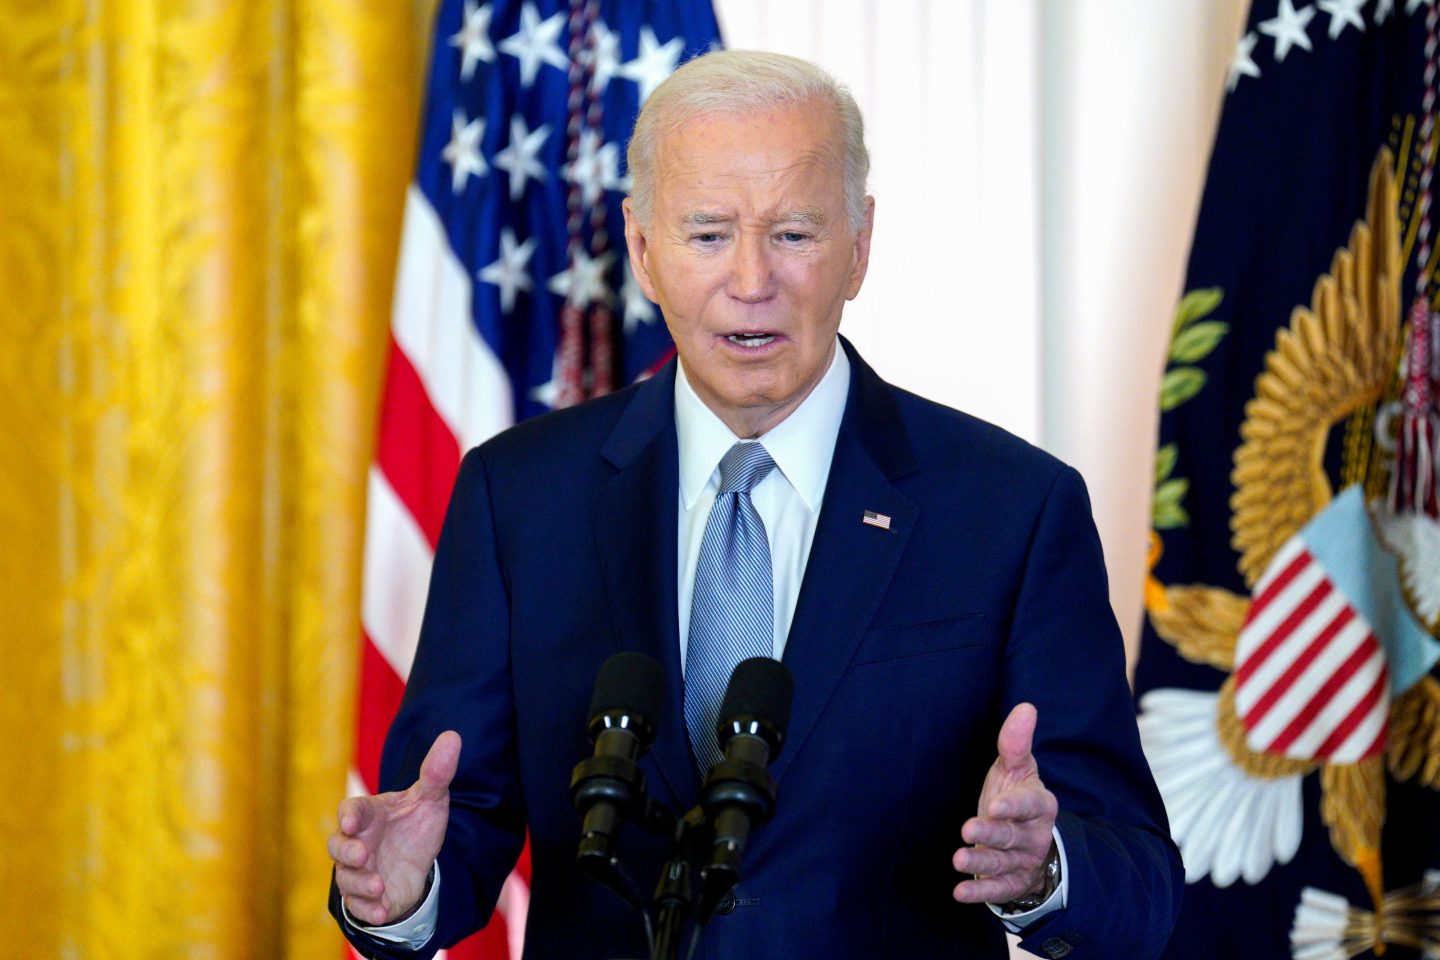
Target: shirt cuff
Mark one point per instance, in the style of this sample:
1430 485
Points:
415 930
1018 921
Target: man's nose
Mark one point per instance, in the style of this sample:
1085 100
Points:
750 276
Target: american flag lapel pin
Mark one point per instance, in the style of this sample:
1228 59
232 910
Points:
876 519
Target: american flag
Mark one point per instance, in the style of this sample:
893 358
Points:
876 519
512 293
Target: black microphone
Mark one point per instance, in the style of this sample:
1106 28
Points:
609 788
739 794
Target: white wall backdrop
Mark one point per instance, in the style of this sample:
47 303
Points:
951 94
1036 165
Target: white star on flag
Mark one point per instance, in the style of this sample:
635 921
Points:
548 393
1343 12
463 150
535 43
509 273
474 39
520 158
1243 63
583 282
654 62
605 53
596 168
1383 9
638 308
1412 5
1287 27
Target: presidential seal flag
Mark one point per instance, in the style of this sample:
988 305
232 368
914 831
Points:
512 293
1287 686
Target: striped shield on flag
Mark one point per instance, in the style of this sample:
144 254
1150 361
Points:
1328 640
1310 677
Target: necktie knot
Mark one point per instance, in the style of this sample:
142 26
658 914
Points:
743 467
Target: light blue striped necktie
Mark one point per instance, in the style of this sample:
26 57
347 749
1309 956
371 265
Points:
732 613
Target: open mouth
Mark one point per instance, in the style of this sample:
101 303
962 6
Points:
748 339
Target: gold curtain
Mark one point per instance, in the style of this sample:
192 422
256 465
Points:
199 214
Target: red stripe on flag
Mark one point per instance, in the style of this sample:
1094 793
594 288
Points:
1281 581
657 366
1322 696
1292 673
1286 627
417 452
1379 745
491 943
1354 718
522 866
380 693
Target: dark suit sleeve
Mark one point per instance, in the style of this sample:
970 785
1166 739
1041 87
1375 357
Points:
1066 656
461 681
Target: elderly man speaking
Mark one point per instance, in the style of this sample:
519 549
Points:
962 755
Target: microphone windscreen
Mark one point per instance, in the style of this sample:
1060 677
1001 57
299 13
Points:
761 687
631 682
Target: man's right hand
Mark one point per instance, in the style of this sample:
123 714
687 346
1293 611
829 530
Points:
387 843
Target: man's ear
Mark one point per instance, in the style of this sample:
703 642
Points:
638 247
861 262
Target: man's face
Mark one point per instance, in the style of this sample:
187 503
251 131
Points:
751 256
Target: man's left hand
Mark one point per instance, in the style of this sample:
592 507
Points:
1012 833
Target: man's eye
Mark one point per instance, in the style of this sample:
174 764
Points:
706 237
794 236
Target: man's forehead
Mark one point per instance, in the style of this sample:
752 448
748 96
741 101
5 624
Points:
784 174
809 131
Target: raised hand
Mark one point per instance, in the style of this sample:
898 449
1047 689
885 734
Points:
385 844
1011 834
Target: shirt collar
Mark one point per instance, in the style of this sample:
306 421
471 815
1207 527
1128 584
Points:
801 445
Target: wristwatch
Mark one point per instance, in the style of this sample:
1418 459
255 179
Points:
1052 881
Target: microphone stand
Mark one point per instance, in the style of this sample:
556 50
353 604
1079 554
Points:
737 796
672 905
673 898
714 836
673 901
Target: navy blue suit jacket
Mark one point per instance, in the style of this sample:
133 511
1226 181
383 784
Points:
909 646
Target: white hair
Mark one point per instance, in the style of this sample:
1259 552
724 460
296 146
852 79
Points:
744 81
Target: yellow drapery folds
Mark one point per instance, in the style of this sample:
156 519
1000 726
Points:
199 213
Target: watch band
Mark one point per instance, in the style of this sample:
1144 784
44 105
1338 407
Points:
1051 871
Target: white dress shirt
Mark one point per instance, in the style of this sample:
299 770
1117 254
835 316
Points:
788 501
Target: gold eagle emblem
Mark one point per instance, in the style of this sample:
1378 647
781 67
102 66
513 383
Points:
1334 364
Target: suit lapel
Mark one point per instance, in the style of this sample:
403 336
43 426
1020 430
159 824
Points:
635 521
851 562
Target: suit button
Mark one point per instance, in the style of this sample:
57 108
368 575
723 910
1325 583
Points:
726 904
1056 948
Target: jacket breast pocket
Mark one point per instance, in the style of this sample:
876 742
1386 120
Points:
903 640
